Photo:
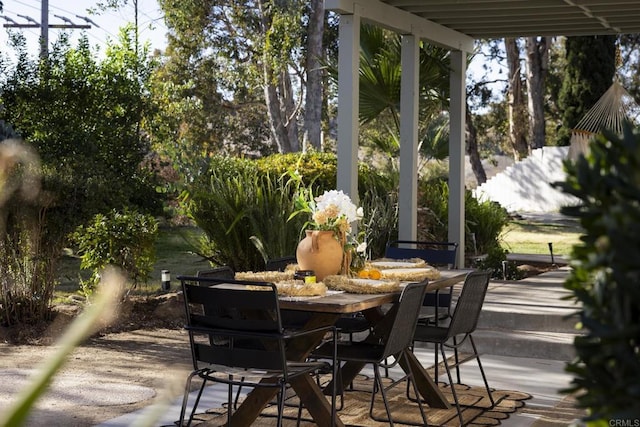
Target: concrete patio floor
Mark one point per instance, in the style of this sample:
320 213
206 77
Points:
541 378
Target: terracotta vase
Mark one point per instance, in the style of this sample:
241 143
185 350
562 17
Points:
321 252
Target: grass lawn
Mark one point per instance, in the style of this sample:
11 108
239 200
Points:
531 237
174 252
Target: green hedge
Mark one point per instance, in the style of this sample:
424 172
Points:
243 205
485 219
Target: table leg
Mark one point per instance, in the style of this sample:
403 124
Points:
427 387
314 400
297 349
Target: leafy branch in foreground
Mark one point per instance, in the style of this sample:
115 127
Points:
605 276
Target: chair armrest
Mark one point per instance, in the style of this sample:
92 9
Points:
302 332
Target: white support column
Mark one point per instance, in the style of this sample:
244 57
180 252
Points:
409 90
348 102
457 151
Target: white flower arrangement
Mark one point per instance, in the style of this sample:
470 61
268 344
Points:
334 210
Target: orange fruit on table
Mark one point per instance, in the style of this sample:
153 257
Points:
375 274
363 274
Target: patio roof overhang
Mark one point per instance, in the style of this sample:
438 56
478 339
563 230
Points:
455 25
481 19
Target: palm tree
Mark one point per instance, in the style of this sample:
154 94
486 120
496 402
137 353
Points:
380 77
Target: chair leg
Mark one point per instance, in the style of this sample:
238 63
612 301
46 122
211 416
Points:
435 364
386 370
335 375
484 377
378 384
383 391
197 402
235 401
299 414
452 385
455 354
281 395
185 398
229 402
415 390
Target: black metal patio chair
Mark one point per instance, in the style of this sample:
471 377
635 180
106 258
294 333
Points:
393 345
464 321
437 304
253 352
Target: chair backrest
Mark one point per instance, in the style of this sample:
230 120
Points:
279 264
253 337
469 304
442 298
406 318
435 253
224 272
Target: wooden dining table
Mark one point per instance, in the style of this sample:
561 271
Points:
325 311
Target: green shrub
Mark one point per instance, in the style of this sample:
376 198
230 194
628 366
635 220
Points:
122 239
485 220
380 222
27 251
83 119
319 170
236 205
496 261
316 169
605 277
26 278
433 205
242 206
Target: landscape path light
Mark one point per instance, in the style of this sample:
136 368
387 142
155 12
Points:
165 279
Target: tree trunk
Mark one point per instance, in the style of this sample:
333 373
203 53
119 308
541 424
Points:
538 63
276 124
472 149
290 111
313 101
279 99
517 106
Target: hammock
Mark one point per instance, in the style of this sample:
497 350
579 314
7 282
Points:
609 112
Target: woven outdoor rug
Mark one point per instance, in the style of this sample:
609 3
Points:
356 408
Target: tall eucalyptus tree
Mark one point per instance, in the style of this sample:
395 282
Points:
629 67
516 102
245 75
315 75
537 64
